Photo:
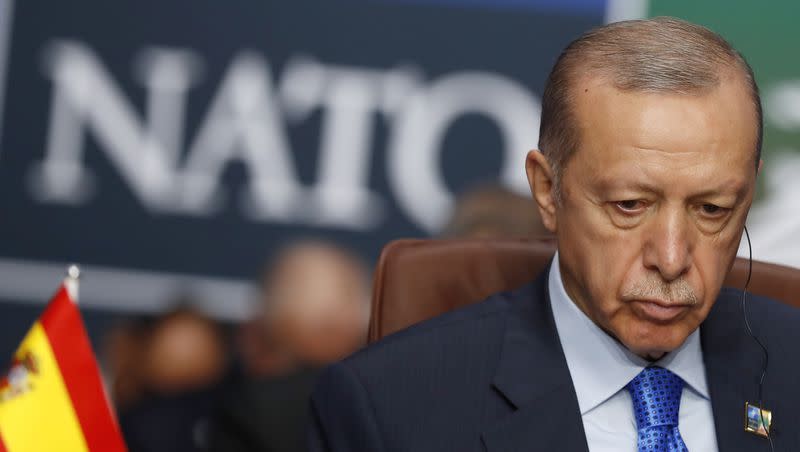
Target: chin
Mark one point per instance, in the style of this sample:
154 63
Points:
654 342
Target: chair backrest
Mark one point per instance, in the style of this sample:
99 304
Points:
419 279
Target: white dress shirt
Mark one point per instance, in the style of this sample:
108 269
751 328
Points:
601 367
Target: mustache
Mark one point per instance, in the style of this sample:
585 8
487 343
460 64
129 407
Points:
652 287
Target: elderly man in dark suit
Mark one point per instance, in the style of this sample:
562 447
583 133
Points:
649 152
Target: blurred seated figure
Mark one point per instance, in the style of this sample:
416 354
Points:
314 310
260 355
316 303
183 360
494 211
186 351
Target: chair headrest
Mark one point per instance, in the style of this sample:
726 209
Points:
419 279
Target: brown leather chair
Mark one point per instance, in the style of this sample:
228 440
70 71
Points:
419 279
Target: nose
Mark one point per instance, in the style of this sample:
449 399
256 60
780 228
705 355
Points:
668 247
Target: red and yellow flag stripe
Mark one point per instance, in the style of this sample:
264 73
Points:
53 398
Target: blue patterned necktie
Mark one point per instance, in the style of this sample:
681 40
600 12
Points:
656 394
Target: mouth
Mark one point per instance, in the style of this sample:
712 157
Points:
659 311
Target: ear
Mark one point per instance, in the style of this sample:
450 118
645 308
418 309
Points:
760 166
540 179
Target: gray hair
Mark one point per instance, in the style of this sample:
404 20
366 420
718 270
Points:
663 55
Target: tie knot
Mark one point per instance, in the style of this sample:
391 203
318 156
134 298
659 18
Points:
656 394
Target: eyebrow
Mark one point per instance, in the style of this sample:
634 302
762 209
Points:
735 186
726 187
607 184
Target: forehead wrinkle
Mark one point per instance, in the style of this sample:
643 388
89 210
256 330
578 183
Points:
677 159
667 154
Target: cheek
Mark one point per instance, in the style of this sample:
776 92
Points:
601 257
712 261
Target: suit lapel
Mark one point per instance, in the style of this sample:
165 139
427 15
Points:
733 366
533 377
549 423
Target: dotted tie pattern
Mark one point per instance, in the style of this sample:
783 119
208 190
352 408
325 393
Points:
656 394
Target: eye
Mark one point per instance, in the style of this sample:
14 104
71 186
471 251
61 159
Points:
713 210
630 205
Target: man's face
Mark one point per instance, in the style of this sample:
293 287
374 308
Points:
652 209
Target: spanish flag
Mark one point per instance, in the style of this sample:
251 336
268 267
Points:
52 399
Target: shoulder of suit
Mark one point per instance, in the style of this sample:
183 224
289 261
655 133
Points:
770 317
478 321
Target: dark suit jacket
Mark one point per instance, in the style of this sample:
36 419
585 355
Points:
493 377
265 415
169 423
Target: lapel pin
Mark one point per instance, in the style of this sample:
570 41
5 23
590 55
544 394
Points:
757 420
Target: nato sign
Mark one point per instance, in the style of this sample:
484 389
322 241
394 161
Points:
171 146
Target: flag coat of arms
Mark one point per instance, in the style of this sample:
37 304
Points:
52 397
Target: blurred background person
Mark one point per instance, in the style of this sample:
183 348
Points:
493 211
186 351
314 310
180 365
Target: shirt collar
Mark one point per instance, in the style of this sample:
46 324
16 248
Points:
590 352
